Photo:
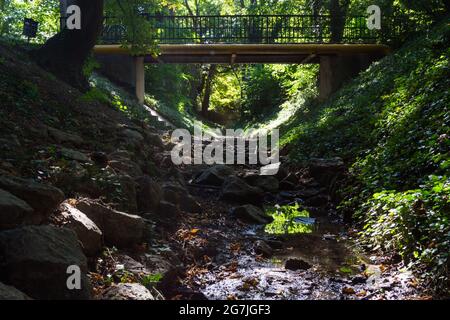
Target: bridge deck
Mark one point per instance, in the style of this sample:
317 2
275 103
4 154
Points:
249 53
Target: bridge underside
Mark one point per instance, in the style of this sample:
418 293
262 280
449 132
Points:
338 62
250 53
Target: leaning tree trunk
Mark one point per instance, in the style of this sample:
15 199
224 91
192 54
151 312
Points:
66 53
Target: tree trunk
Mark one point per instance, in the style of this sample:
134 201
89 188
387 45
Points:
66 53
208 89
338 12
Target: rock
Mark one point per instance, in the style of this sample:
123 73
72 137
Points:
119 229
236 189
132 136
126 167
310 192
155 140
42 198
128 193
262 248
251 214
11 293
133 266
297 264
176 194
36 260
100 159
14 212
320 200
326 170
71 154
88 233
64 137
286 185
168 210
267 183
127 291
275 244
148 194
359 279
120 155
189 204
214 176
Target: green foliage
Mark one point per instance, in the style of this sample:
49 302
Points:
415 224
95 95
391 125
12 13
285 220
151 280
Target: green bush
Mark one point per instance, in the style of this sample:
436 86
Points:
391 126
415 224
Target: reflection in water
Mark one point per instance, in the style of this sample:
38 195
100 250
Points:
289 220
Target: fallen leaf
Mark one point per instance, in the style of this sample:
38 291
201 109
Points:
348 291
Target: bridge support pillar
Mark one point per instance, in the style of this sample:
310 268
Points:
140 79
125 70
336 70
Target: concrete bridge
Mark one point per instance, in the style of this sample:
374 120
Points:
246 39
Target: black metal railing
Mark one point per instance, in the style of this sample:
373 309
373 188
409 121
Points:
253 29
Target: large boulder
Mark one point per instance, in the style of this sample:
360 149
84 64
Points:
325 171
14 212
11 293
251 214
266 183
42 198
177 194
263 249
214 176
126 167
236 189
36 260
119 229
148 194
70 154
89 234
62 137
127 291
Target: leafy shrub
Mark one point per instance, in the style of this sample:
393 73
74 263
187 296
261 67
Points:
415 224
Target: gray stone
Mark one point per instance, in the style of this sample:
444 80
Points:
14 212
167 210
36 260
126 167
297 264
154 140
262 248
148 194
64 137
88 233
127 291
266 183
119 229
11 293
133 136
251 214
177 194
215 176
236 189
325 171
42 198
71 154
